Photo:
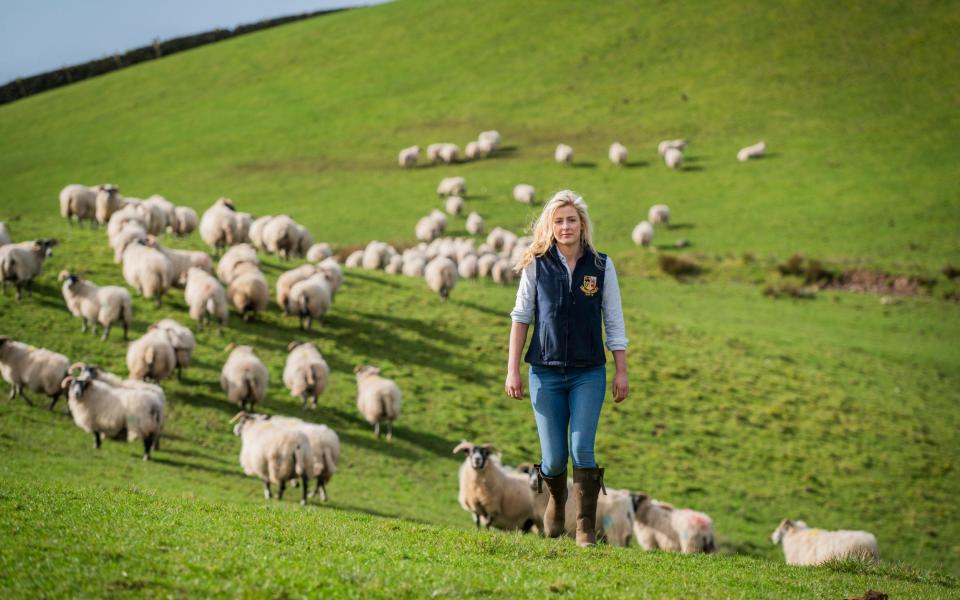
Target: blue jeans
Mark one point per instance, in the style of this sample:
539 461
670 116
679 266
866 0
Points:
567 398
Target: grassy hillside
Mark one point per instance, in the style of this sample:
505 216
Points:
840 411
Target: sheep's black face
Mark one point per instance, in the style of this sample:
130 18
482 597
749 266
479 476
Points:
78 387
478 457
72 280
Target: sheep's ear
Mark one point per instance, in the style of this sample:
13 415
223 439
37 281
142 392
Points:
63 275
637 499
292 345
525 468
463 446
4 339
230 347
357 368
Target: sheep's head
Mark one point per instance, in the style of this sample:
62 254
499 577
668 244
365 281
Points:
364 371
532 475
786 526
637 499
77 385
4 339
242 418
292 345
477 456
228 203
68 277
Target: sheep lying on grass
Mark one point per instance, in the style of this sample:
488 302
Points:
660 526
805 546
21 263
273 453
305 373
244 377
324 447
497 497
378 399
37 369
105 405
95 305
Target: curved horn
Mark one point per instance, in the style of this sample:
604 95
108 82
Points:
292 345
229 347
463 446
238 416
66 382
76 365
63 275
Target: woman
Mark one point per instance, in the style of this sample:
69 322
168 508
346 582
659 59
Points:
567 289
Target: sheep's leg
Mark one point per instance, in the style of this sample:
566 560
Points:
53 401
309 322
376 429
96 440
19 294
266 489
157 300
147 446
476 520
281 489
313 404
13 391
179 373
389 430
320 489
306 484
94 328
303 397
83 325
106 332
30 288
24 396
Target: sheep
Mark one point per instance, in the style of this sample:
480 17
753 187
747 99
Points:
256 232
105 405
354 259
304 240
673 158
414 267
274 453
79 201
107 202
454 205
428 229
563 154
310 299
805 546
147 270
4 234
305 373
324 446
331 268
755 151
162 211
665 145
485 264
287 280
131 232
205 298
244 222
495 496
280 236
37 369
473 151
618 154
660 526
408 156
95 305
502 272
182 341
120 219
452 186
248 291
474 224
374 255
318 252
449 153
642 234
441 276
378 398
467 268
229 265
22 263
440 219
489 139
501 240
524 193
219 225
184 221
182 261
394 265
659 214
244 377
151 357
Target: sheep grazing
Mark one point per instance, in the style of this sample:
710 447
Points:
122 218
494 496
304 240
467 267
452 186
755 151
310 299
36 369
95 305
288 279
805 546
107 202
618 154
244 377
524 193
281 236
21 263
147 270
394 265
205 298
230 264
454 205
375 255
433 152
642 234
485 264
414 267
665 145
182 341
408 157
274 453
441 276
472 151
354 259
79 202
660 526
151 357
428 229
244 222
502 272
162 214
131 232
378 398
105 405
659 214
219 225
489 140
4 234
449 153
305 373
474 224
563 154
673 158
318 252
501 240
255 234
324 446
248 292
182 261
184 221
331 268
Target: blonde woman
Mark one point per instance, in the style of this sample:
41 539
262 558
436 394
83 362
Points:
568 290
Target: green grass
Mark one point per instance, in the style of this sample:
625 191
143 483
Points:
840 411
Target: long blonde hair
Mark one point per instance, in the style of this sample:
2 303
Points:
543 228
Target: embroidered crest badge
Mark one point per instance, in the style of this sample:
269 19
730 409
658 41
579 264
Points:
589 285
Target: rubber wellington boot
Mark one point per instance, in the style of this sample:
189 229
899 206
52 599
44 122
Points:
587 484
553 525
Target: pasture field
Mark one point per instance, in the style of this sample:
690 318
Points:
841 411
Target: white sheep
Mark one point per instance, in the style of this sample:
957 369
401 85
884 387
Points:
121 410
563 154
433 152
394 265
454 205
182 261
219 226
449 153
182 341
147 270
618 154
304 240
318 252
95 305
36 369
452 186
256 232
151 357
665 145
524 193
642 234
378 398
281 236
274 453
441 276
375 255
229 266
310 299
205 298
248 291
805 546
107 202
472 151
485 264
131 232
331 268
428 229
673 158
408 156
414 266
755 151
474 224
659 214
21 263
494 496
120 219
305 373
467 267
354 259
4 234
660 526
162 214
80 202
489 139
502 272
244 377
324 446
184 221
288 279
244 223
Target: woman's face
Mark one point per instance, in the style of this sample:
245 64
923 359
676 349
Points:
566 225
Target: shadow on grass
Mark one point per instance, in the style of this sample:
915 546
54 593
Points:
691 168
194 466
377 280
347 507
679 226
583 164
636 164
480 308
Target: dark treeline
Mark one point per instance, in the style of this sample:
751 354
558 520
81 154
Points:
28 86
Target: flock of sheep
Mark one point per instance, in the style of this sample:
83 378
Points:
281 450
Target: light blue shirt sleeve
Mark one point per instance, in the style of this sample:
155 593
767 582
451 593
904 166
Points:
612 310
523 310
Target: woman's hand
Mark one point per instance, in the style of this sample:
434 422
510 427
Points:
621 387
514 384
